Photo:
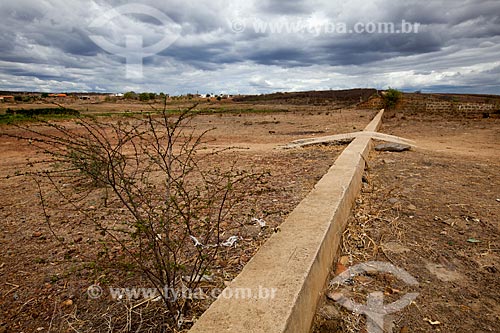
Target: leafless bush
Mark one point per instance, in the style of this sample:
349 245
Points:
149 172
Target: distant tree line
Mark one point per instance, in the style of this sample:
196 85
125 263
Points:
144 96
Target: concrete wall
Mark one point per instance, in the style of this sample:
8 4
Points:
436 104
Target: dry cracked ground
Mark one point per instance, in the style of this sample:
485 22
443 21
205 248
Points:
434 212
44 282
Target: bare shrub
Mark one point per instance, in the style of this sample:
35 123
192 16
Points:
163 206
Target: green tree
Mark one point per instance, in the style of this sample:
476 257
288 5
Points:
144 97
130 95
391 97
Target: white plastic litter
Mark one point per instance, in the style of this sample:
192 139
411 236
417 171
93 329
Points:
260 222
231 241
196 241
198 278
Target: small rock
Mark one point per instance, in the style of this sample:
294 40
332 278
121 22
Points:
393 200
340 269
394 247
329 312
69 302
334 296
412 207
393 147
344 260
37 234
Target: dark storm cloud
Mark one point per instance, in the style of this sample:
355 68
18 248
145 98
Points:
369 48
47 42
439 27
286 7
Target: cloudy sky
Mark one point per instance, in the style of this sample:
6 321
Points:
249 46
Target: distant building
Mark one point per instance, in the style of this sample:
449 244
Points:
58 95
6 98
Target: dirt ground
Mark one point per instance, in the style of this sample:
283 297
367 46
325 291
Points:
44 283
434 212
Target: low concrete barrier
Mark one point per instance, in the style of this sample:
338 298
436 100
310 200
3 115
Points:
279 289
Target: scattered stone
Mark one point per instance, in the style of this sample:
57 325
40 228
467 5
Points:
69 302
344 260
37 234
394 247
392 147
334 296
329 312
412 207
340 269
393 200
443 274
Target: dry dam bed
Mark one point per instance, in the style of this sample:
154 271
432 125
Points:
422 205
